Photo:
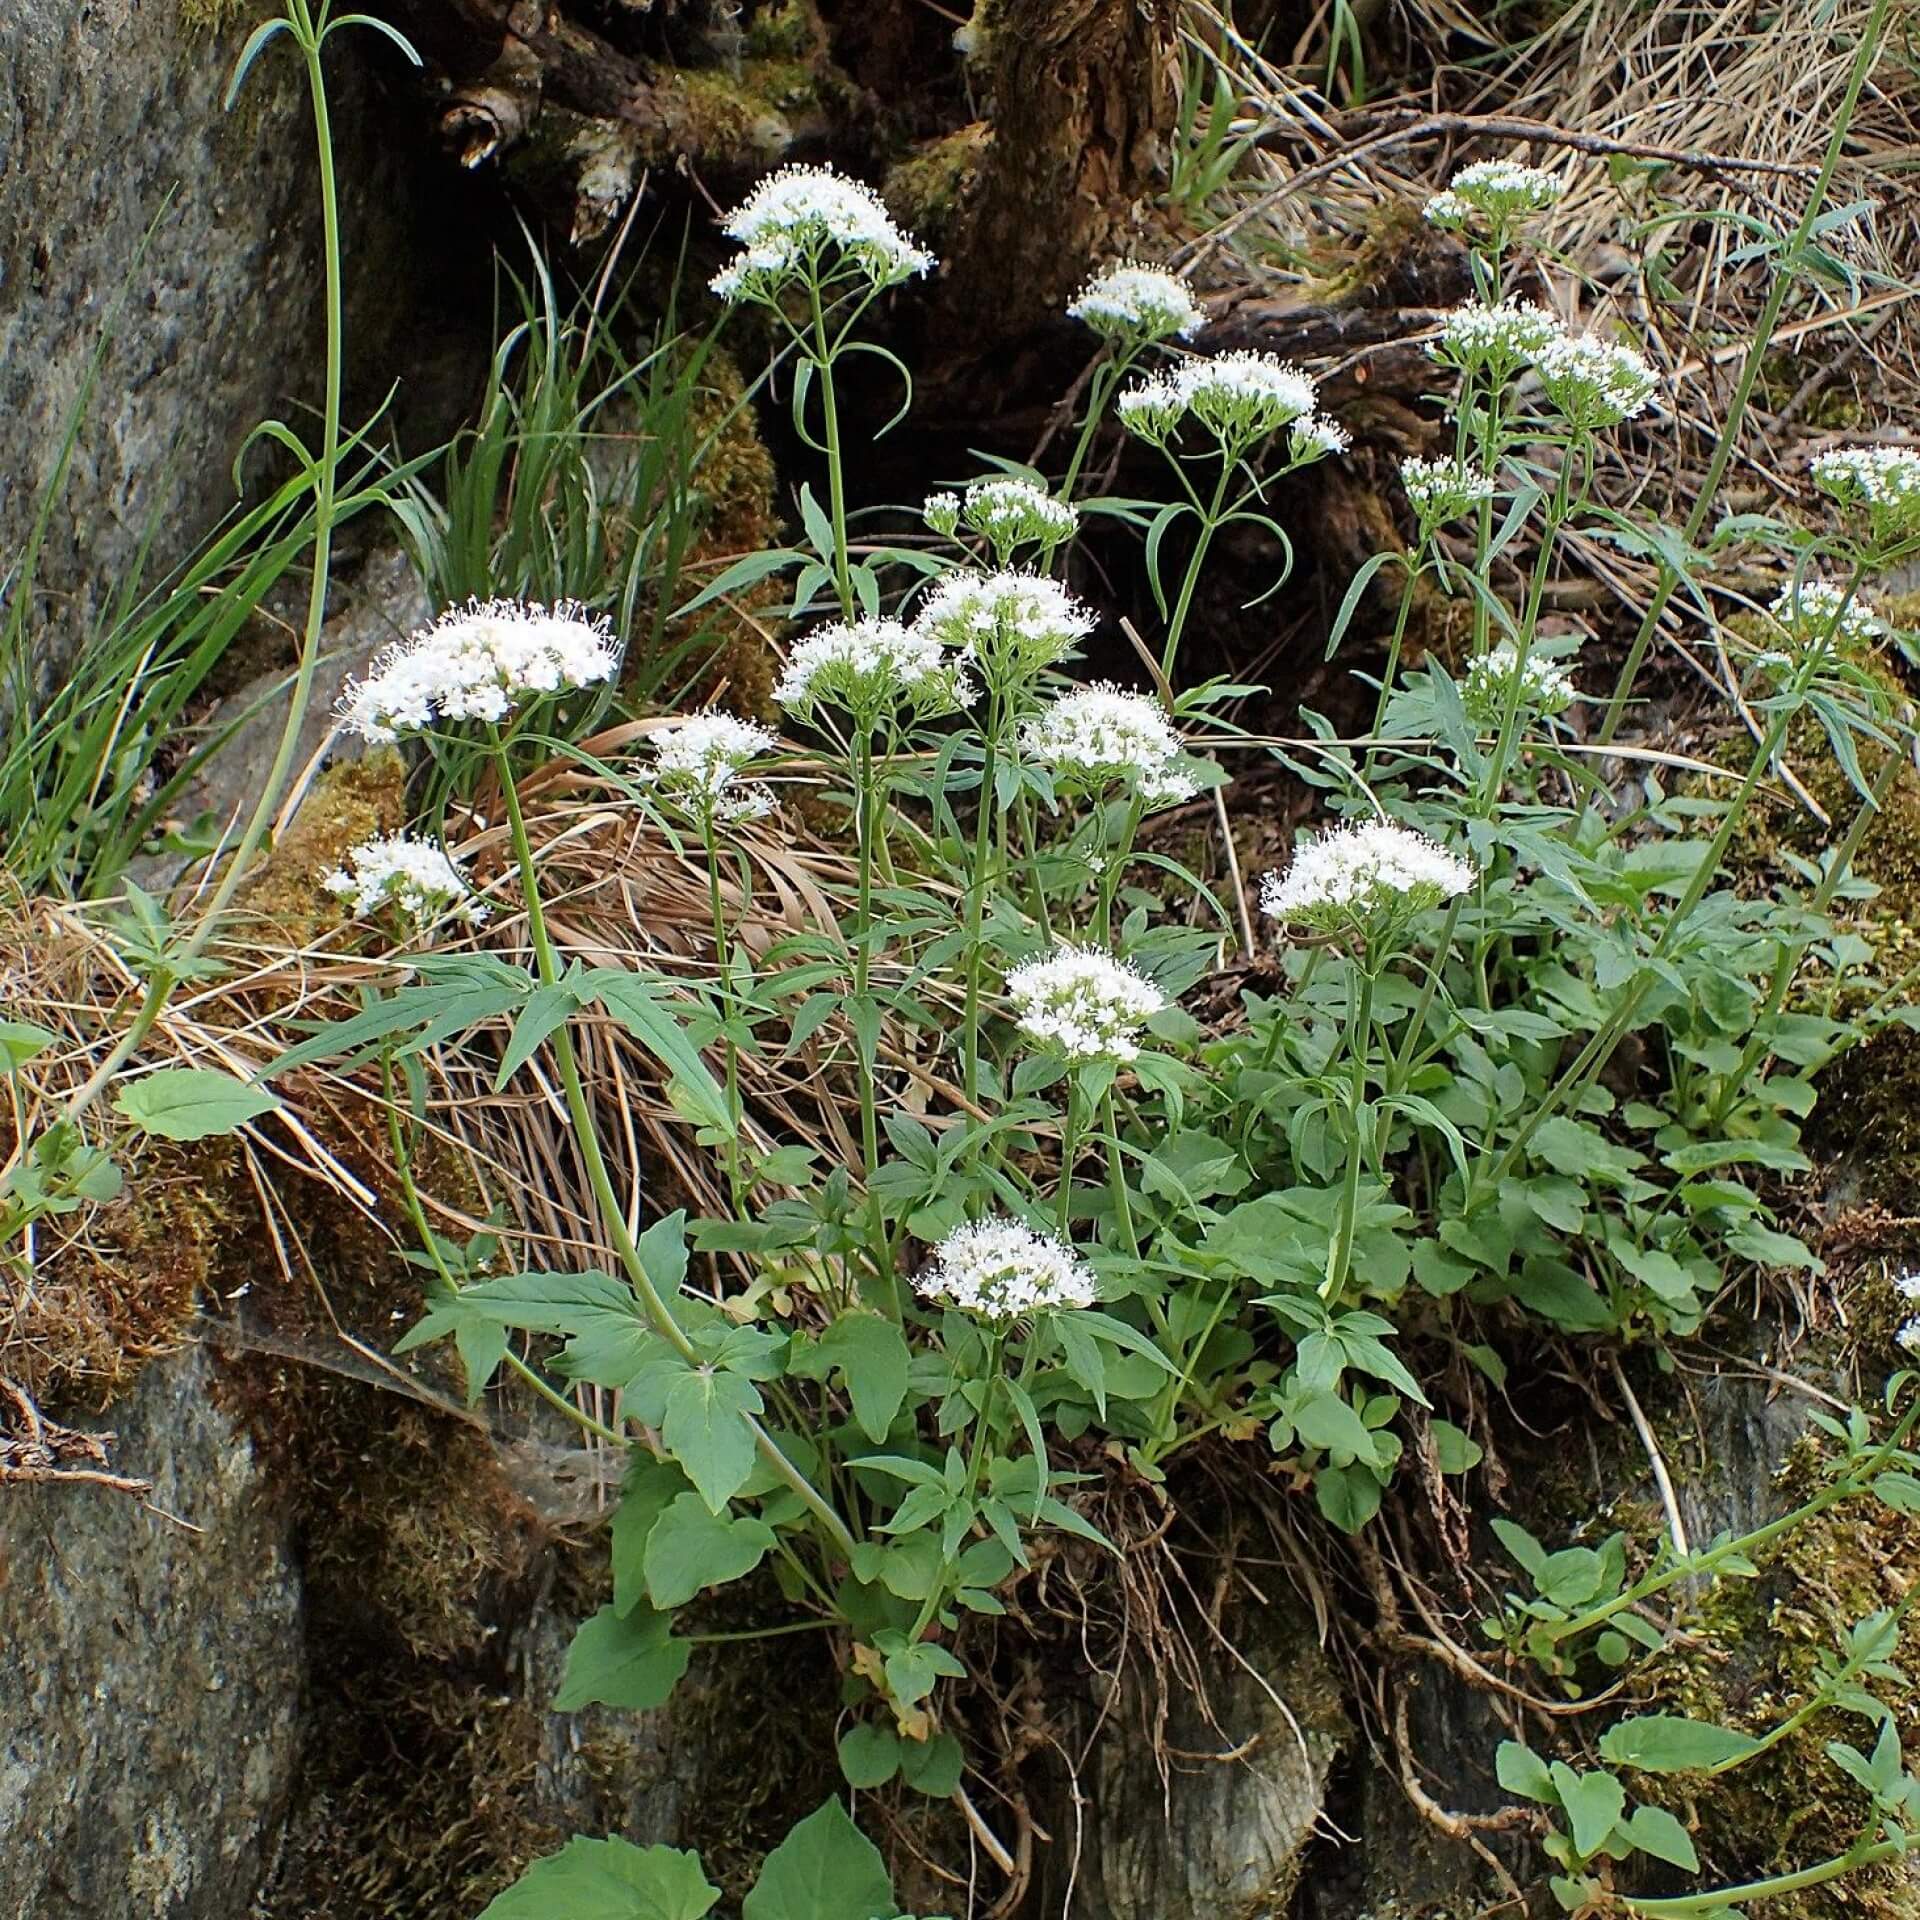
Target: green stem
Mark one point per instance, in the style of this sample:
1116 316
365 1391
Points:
1723 448
1865 1852
1209 520
723 967
977 897
1106 377
613 1218
836 479
1069 1153
1360 1029
1117 1179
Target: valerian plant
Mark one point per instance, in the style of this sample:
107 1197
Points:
1086 1214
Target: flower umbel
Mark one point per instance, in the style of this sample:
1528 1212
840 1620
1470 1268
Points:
697 766
1881 482
871 669
1008 513
1012 624
1099 737
478 662
1595 383
1817 612
1496 193
1003 1271
1353 875
813 223
1488 684
416 876
1082 1003
1476 338
1443 490
1237 397
1133 303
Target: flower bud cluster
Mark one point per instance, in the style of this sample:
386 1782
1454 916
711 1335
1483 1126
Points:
1003 1271
1133 304
697 766
1100 737
1083 1004
871 669
415 876
1883 483
1494 193
1005 511
1237 397
809 222
1443 490
1488 684
1352 876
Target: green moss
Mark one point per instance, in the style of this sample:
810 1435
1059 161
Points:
927 191
789 31
349 803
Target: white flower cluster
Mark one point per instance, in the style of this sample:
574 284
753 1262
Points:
792 218
1817 611
1098 737
419 877
1082 1003
697 765
1442 490
478 662
1315 437
1595 383
1136 303
1488 684
1882 482
1004 1271
1478 338
1909 1336
1237 397
871 668
1497 191
1006 511
1352 874
1013 624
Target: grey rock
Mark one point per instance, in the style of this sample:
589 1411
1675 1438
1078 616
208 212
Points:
106 109
152 1672
1220 1833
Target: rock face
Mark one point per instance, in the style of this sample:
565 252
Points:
107 107
151 1676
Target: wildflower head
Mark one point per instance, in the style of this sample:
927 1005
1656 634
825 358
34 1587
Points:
1594 383
1494 340
417 878
1132 304
1004 1271
1881 484
1152 409
813 224
1495 194
697 765
1909 1336
1237 397
1361 879
872 669
1098 737
1313 437
1082 1003
1443 490
478 662
1500 678
1012 624
1816 613
1007 512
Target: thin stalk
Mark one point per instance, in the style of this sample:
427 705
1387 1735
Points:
1340 1260
1069 1153
1117 1179
977 898
1723 448
836 479
612 1216
976 1456
723 966
1106 376
1209 521
1865 1852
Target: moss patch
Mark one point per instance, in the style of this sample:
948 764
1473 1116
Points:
927 191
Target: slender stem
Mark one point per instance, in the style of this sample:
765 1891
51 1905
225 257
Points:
1106 376
1069 1153
1359 1036
723 967
612 1216
1209 520
325 496
1865 1852
976 1455
1723 448
1117 1179
977 896
836 479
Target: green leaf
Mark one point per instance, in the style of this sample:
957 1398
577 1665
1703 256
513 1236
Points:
705 1429
869 1755
1347 1496
608 1880
1520 1770
1668 1743
551 1302
1457 1452
1593 1804
1654 1830
1327 1421
192 1103
652 1487
633 1662
872 1356
20 1041
933 1767
547 1009
690 1549
643 1010
825 1869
